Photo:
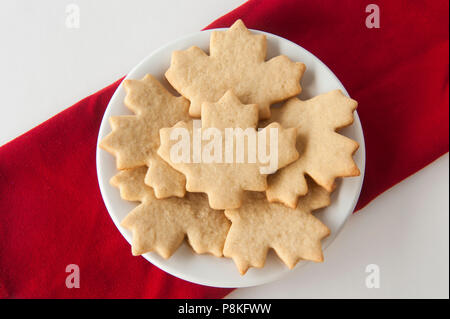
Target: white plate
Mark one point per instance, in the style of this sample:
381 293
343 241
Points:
207 269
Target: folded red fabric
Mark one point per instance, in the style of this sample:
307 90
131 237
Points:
51 211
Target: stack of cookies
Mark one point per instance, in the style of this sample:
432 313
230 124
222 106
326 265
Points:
224 199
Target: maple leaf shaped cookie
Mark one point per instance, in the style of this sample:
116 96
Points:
324 154
236 62
225 181
134 139
294 234
161 225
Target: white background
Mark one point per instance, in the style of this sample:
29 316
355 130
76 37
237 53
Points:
47 67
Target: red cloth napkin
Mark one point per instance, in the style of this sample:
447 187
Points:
51 211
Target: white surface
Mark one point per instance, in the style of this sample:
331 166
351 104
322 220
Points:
46 67
206 269
404 232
